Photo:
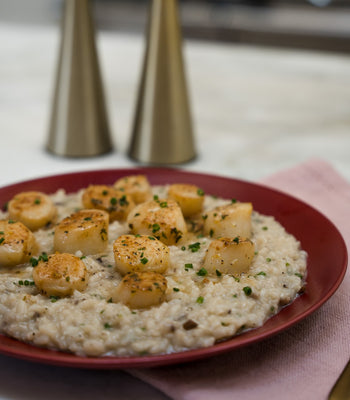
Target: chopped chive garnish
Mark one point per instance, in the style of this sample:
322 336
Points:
194 247
155 228
202 272
247 290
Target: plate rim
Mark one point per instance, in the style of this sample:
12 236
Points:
15 348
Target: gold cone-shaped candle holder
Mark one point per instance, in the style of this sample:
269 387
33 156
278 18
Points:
79 125
162 131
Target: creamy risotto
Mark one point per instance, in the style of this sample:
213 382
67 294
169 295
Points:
208 293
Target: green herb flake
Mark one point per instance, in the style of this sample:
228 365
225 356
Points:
262 273
218 273
233 201
53 299
34 262
2 240
200 192
43 257
163 204
194 247
175 289
202 272
113 201
144 260
155 228
123 201
268 259
247 290
299 275
200 300
107 325
189 265
264 228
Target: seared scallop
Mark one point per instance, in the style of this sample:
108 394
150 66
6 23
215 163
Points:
60 275
140 253
117 203
229 256
33 209
141 289
17 243
230 220
85 231
189 197
162 219
137 186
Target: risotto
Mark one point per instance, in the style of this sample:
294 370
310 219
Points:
203 300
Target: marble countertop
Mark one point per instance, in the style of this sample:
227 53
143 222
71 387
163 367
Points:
256 111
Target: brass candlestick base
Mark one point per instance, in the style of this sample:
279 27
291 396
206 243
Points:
162 131
79 125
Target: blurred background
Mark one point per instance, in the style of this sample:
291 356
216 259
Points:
308 24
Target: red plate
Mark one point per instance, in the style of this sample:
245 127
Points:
327 259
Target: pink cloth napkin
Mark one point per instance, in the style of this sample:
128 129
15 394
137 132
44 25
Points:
301 363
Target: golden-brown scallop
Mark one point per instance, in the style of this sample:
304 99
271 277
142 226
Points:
33 209
162 219
85 231
230 220
137 186
102 197
229 256
17 243
140 253
60 275
189 197
141 289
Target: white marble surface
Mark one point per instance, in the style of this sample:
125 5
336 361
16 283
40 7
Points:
256 111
